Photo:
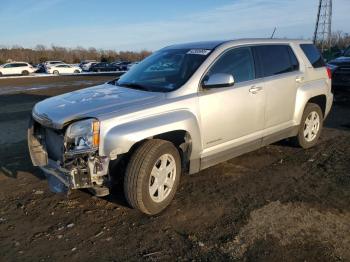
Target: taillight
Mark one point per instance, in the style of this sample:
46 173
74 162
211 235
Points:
329 73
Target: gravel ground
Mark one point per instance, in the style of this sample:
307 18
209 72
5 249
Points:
279 203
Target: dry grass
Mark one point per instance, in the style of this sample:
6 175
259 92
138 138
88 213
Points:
291 223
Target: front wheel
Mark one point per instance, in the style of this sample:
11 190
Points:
152 176
310 126
56 72
25 73
76 72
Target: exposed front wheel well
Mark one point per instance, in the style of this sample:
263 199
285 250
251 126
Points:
321 101
181 139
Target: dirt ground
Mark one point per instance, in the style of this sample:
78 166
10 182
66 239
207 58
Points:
280 203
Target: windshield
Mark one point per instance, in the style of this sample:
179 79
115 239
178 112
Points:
165 70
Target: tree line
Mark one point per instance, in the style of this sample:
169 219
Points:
41 54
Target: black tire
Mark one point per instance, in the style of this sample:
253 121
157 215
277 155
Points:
56 72
300 139
138 173
76 72
0 74
25 73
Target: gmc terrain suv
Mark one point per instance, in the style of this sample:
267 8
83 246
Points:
183 109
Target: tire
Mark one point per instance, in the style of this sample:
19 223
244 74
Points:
142 170
25 73
56 72
0 74
309 132
76 72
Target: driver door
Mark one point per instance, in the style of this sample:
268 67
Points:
232 117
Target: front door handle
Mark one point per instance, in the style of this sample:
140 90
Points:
255 89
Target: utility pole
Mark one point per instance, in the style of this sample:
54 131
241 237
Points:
323 28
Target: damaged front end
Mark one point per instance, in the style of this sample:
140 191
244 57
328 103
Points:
69 156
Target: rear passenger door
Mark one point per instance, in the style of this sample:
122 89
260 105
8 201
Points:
279 67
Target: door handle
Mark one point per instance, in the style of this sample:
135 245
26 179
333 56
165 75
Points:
299 79
255 89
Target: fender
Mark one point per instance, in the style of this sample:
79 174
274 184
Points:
304 94
120 139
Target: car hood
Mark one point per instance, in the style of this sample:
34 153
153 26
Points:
94 102
343 60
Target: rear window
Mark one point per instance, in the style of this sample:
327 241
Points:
313 55
276 59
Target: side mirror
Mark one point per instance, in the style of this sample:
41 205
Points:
219 80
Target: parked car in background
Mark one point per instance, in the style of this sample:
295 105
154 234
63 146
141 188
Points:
40 68
85 64
59 69
103 67
48 63
340 68
123 66
129 66
205 103
16 68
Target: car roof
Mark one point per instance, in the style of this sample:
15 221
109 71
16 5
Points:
17 62
60 64
213 44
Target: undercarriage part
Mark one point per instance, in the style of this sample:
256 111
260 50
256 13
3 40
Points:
99 191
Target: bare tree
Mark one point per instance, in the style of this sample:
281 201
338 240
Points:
69 55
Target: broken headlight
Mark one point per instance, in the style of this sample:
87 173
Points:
83 134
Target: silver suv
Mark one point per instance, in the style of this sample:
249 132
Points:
183 109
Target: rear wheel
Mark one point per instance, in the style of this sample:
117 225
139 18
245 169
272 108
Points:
310 126
152 176
25 73
76 71
56 72
0 74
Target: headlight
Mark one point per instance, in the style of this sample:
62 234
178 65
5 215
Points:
84 134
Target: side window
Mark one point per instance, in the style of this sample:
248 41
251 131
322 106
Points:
276 59
8 66
313 55
238 62
293 59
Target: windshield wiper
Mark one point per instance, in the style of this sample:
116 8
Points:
134 86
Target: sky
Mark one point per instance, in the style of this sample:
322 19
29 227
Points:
138 25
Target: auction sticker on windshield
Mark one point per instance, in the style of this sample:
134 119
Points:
198 52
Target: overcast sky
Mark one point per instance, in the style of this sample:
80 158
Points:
136 25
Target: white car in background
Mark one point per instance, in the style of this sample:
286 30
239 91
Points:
16 68
86 66
63 69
